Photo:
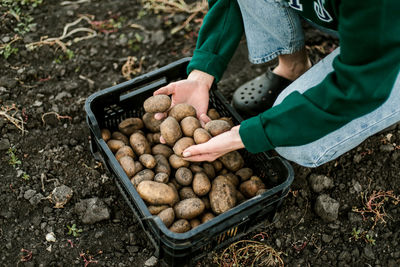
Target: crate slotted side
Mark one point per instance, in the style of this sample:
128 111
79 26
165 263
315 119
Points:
105 109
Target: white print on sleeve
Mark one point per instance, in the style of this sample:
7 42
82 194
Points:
321 11
295 4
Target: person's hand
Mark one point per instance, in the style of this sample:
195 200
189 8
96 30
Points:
215 147
194 91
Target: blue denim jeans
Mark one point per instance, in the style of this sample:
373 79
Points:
273 29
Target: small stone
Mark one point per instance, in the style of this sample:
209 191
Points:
278 243
357 186
36 199
158 37
319 183
327 238
327 208
151 262
92 210
29 194
60 196
51 237
37 103
61 95
5 39
98 234
386 148
4 144
369 253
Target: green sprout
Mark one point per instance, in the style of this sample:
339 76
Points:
370 240
73 230
356 234
13 161
8 50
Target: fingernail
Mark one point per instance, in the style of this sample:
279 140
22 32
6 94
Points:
186 154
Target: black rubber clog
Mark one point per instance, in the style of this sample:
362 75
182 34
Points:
258 94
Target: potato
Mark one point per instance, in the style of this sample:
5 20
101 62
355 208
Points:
182 144
195 167
232 178
144 175
139 144
228 120
148 161
105 134
222 195
233 161
182 110
209 170
201 136
176 162
206 202
261 191
161 177
151 123
250 187
120 136
125 151
217 165
244 174
217 127
194 223
239 197
114 145
156 138
175 183
189 125
180 226
223 172
130 125
183 176
156 193
186 192
161 149
170 130
201 184
157 104
167 216
156 209
189 208
138 166
162 165
128 165
213 114
176 195
206 217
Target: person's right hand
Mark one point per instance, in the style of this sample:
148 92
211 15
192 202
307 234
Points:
194 91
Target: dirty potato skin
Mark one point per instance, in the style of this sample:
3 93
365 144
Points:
181 111
217 127
182 144
161 177
244 174
148 161
139 144
250 187
143 175
201 184
189 125
201 136
167 216
206 217
130 125
170 130
114 145
222 195
186 192
189 208
162 165
194 223
120 136
156 193
156 209
213 114
124 151
161 149
151 123
233 161
157 104
176 162
128 165
180 226
184 176
105 134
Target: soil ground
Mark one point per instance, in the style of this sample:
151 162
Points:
46 89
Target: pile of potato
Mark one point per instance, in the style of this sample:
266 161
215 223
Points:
183 194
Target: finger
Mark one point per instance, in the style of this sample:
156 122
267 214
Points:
160 116
194 150
204 119
166 90
162 140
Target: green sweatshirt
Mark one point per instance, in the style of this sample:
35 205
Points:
363 76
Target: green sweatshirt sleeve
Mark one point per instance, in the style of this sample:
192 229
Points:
218 38
363 76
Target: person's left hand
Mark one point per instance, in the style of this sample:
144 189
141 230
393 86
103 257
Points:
215 147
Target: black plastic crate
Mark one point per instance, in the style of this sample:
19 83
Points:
106 108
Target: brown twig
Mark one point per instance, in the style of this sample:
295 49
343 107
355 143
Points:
87 261
58 116
131 68
11 113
